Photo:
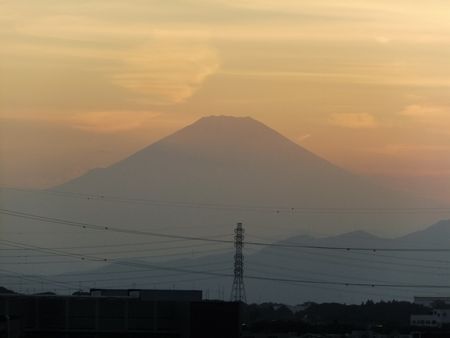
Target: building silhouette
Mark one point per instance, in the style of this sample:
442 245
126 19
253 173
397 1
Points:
108 313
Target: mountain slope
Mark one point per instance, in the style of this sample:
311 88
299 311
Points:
235 161
206 177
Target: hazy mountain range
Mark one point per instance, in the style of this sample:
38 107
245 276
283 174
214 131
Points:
220 170
199 182
284 263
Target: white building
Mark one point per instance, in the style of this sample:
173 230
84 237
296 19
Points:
437 318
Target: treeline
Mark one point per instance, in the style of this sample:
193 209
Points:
383 317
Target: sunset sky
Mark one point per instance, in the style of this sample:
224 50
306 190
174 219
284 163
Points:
363 83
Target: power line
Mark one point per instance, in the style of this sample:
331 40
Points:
397 257
111 279
335 259
364 292
253 277
88 257
177 254
284 269
391 265
90 226
191 246
112 245
235 207
76 283
38 279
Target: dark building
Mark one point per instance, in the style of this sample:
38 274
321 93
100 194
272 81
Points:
106 313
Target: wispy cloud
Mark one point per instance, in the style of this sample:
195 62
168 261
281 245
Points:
383 39
141 58
409 148
167 72
303 137
426 112
102 122
353 120
430 116
110 122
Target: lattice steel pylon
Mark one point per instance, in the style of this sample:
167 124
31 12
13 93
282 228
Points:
238 288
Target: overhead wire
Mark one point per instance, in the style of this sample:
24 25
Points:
35 278
191 246
91 226
255 277
96 246
288 280
283 271
368 264
233 207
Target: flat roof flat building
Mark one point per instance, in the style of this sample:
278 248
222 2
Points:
108 313
150 294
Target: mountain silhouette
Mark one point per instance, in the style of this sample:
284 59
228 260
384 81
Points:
237 161
203 179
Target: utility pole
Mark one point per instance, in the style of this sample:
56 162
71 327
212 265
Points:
238 288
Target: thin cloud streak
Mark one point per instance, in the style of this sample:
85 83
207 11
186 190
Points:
353 120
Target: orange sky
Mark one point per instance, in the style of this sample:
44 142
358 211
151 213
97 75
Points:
364 83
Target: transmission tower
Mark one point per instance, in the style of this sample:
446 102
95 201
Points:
238 288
